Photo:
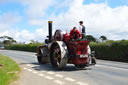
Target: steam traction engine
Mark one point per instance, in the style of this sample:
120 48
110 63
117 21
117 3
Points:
60 50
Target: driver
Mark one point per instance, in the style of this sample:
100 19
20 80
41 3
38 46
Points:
75 34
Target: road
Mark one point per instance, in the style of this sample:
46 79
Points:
104 73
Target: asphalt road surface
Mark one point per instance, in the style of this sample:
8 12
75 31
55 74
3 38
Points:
104 73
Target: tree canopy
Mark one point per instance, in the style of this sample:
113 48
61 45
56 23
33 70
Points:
91 38
103 38
7 40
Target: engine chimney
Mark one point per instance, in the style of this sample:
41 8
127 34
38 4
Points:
50 30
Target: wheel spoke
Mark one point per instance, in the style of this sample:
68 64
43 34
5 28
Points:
57 60
57 56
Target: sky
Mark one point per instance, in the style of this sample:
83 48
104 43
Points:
26 20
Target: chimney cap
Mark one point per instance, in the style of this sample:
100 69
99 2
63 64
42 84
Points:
49 21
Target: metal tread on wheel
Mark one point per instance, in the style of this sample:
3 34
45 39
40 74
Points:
43 58
58 55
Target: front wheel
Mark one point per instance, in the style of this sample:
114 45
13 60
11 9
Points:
39 58
43 57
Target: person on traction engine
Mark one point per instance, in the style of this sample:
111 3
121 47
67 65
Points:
75 34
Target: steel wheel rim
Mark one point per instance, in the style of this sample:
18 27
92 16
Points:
57 55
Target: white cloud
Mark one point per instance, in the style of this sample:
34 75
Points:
36 8
4 33
6 1
10 18
100 19
61 4
26 36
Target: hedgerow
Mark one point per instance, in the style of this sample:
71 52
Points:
24 47
111 50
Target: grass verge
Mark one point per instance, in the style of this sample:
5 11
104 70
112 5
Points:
9 70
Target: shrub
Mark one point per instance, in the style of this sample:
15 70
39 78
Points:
111 50
24 47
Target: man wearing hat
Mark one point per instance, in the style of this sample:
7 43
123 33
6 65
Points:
82 29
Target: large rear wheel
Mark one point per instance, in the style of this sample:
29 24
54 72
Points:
58 55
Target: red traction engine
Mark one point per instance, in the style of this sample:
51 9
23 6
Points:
60 50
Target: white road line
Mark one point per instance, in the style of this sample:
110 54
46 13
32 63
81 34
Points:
35 72
28 65
97 65
41 74
50 72
112 67
31 66
42 71
81 83
58 75
25 68
59 82
29 70
69 79
49 77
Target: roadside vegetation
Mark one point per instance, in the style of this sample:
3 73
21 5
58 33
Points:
9 70
104 48
31 47
111 50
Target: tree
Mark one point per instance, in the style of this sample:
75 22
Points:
91 38
103 38
33 41
7 40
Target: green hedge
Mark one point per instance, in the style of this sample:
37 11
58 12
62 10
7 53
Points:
24 47
111 50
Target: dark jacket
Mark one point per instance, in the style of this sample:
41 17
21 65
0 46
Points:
83 29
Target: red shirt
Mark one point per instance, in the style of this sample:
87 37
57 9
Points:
75 35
